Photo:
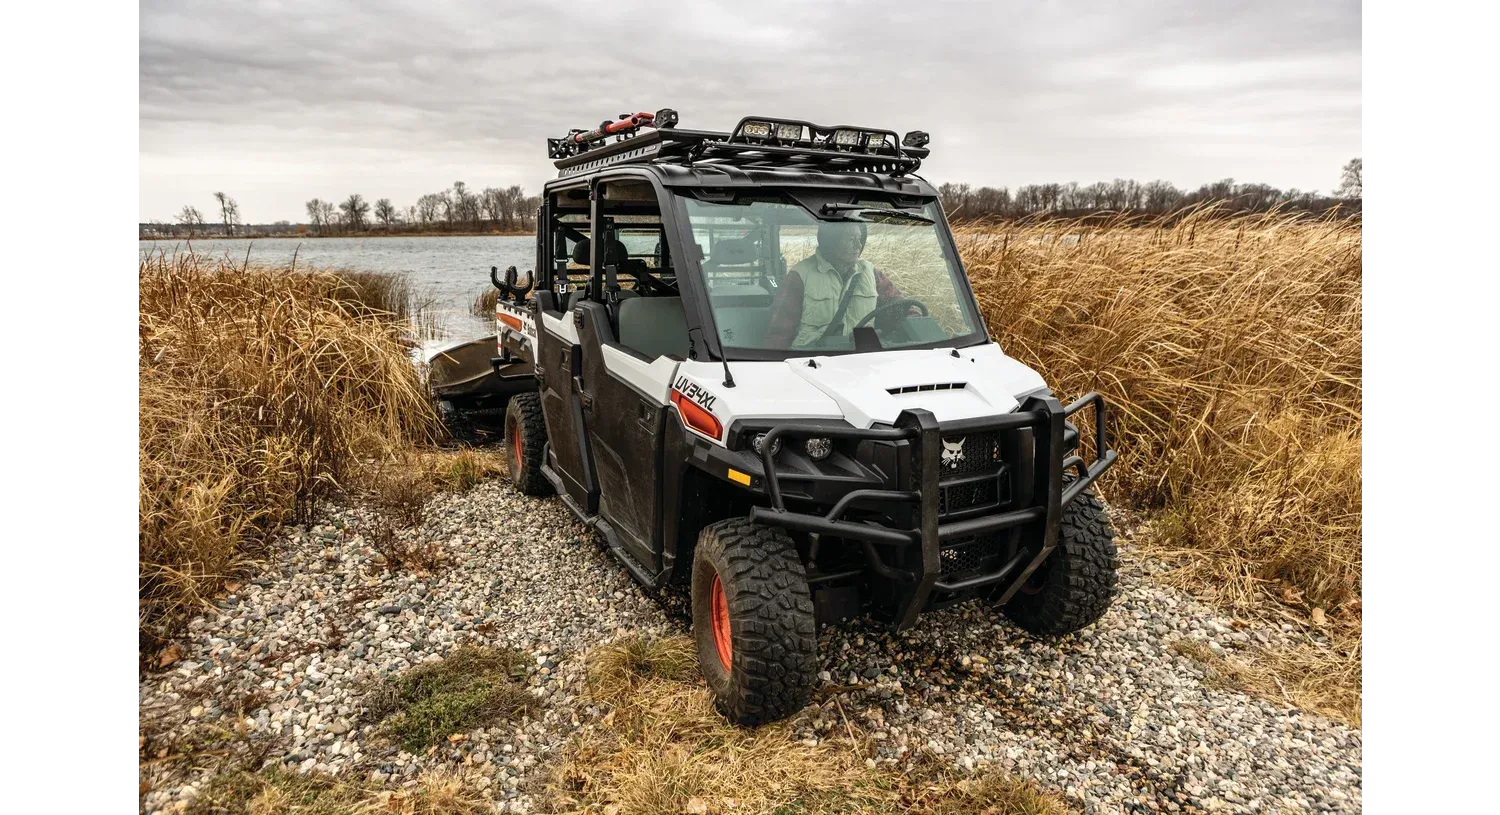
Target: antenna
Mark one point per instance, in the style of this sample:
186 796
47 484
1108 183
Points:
728 377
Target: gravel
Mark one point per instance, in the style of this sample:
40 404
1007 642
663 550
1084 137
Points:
1112 717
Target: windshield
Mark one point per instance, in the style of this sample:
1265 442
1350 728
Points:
782 282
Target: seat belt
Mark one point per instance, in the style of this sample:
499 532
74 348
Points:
838 316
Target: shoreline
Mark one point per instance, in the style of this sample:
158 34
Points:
182 238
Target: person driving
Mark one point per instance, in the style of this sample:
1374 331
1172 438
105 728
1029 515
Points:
827 293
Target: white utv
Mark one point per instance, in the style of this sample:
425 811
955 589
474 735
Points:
760 371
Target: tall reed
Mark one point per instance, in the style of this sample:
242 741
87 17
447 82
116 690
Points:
1231 350
261 391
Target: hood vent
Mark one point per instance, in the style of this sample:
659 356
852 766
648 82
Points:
940 386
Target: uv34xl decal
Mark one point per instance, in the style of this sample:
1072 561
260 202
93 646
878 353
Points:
695 392
695 406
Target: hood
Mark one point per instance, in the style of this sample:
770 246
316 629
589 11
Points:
870 388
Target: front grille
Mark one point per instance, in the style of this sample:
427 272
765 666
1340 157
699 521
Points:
967 496
970 454
966 457
971 554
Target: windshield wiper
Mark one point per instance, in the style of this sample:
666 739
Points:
863 212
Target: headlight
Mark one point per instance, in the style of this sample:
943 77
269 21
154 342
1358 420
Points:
760 441
818 448
757 130
847 138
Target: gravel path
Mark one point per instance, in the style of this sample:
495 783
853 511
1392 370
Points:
1113 717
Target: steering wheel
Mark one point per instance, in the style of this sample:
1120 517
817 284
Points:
905 302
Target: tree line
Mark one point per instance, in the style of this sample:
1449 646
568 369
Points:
963 202
456 209
509 209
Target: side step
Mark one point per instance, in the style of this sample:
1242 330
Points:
598 524
562 492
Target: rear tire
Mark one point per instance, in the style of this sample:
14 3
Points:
1075 585
753 621
526 433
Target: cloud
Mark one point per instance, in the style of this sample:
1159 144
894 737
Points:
280 102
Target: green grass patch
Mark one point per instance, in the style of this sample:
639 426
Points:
473 687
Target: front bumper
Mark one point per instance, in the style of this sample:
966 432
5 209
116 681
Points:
1038 520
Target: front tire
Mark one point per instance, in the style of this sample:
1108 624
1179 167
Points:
753 621
1073 587
526 433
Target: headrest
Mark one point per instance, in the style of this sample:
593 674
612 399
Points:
734 251
616 252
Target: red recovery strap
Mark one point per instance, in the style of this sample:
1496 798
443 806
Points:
624 123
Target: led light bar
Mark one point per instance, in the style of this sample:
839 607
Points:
847 138
787 131
757 130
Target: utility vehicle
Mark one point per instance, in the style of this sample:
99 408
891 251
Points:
760 370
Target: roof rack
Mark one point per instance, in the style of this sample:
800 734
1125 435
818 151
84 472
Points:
757 141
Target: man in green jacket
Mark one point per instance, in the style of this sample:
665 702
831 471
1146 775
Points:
827 293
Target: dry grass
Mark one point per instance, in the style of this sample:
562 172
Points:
1231 349
460 469
484 302
261 391
404 549
1282 674
473 687
279 792
662 748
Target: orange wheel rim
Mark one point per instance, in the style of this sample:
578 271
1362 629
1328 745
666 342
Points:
515 444
719 608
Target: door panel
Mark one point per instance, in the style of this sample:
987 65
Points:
624 427
560 362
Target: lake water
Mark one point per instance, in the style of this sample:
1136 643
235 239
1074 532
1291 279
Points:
445 272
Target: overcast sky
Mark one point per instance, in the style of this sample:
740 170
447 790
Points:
278 102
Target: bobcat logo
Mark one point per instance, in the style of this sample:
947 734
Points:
953 453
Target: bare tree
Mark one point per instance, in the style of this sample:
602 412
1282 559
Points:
464 206
386 213
191 218
1160 196
229 212
526 210
315 214
428 208
329 214
1353 183
492 200
355 208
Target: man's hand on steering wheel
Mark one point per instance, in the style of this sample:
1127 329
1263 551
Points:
905 303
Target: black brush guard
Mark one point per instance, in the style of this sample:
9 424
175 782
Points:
1046 416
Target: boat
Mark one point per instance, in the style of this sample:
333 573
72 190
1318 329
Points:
468 374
